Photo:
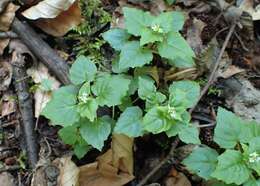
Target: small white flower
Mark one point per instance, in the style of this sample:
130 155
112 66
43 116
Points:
254 157
157 28
84 97
172 111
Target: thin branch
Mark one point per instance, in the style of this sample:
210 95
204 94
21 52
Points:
213 73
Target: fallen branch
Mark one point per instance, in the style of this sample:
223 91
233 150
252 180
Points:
42 50
25 106
212 76
168 160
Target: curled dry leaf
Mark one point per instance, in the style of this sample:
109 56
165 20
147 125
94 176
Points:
64 22
39 73
69 172
55 17
194 35
8 104
6 18
7 179
248 6
5 75
114 168
47 9
3 4
177 179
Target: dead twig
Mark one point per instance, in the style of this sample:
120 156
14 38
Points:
25 106
42 51
213 73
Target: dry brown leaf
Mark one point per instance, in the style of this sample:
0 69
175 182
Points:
3 4
194 35
38 73
177 180
114 168
64 22
5 75
6 179
230 71
6 18
248 6
69 172
8 104
47 9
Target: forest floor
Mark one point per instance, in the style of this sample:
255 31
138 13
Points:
38 45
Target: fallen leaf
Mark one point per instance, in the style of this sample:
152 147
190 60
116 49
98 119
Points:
8 104
248 6
3 4
194 35
6 18
7 179
47 9
39 72
114 168
69 172
178 180
64 22
6 73
230 71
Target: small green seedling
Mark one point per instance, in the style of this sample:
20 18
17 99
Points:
240 162
74 107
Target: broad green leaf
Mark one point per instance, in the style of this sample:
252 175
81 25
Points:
175 47
231 168
249 131
95 133
110 89
169 21
228 128
136 20
149 36
189 134
62 109
202 161
88 109
81 147
252 182
190 89
175 129
170 2
254 154
146 88
156 120
126 102
69 135
147 91
83 69
116 37
115 66
129 122
133 55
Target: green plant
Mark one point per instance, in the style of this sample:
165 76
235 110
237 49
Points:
240 161
162 109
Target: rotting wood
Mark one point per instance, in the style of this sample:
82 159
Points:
42 51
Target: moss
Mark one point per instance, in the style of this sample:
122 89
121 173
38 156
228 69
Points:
94 18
